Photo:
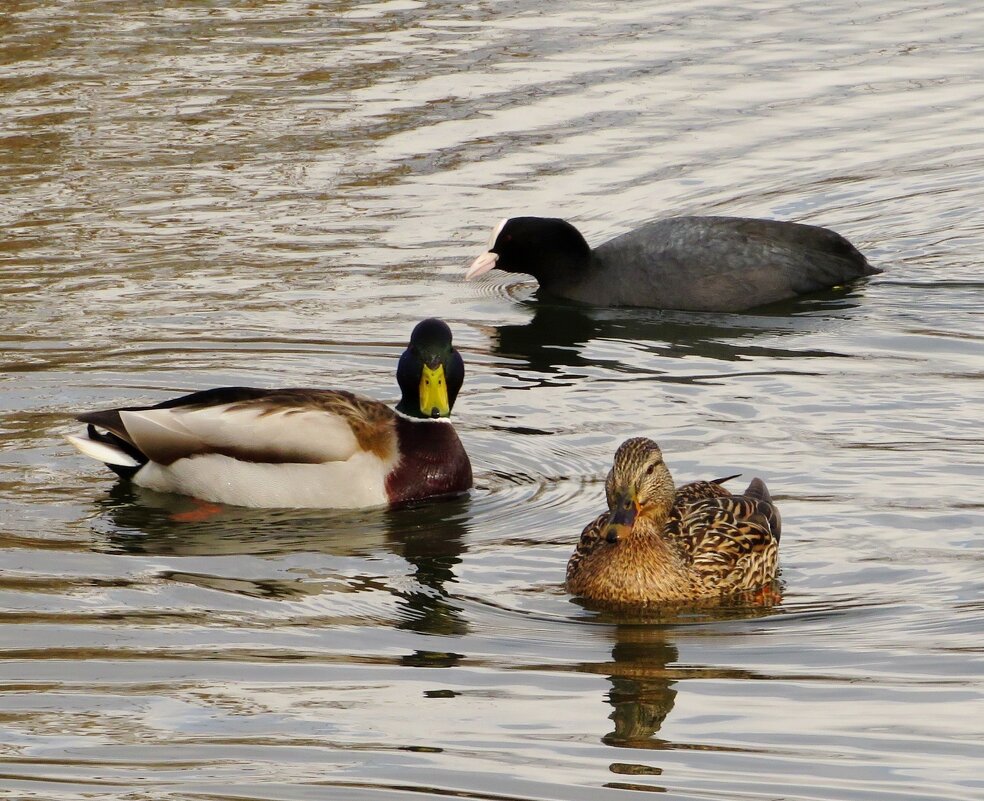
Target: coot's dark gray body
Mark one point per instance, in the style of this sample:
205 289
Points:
691 263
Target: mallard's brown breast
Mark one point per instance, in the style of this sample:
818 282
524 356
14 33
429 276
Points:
432 462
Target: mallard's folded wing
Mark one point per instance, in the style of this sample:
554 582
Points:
698 490
734 546
758 491
295 426
591 538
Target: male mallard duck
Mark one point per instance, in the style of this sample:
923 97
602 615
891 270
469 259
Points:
695 263
298 447
657 543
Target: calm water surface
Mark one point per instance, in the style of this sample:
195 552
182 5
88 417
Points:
273 193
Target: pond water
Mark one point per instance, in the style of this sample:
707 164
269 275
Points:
273 193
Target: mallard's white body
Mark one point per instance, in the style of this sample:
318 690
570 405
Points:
359 481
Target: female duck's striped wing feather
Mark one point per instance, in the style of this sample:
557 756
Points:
686 496
699 490
733 540
591 538
254 425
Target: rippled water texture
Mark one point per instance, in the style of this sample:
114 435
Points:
272 193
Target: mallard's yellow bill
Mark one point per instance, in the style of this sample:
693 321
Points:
434 392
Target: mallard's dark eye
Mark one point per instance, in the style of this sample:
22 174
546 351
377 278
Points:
650 470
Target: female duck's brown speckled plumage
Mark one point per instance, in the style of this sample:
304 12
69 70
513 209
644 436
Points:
659 544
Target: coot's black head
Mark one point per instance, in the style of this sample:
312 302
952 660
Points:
547 248
430 372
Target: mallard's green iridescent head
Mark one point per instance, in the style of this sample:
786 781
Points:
430 372
638 485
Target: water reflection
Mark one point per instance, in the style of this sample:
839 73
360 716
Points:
643 671
135 520
556 335
430 537
433 547
642 692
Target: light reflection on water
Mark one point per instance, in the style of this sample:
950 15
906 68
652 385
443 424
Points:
274 194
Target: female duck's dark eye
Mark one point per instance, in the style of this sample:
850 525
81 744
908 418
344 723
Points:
650 470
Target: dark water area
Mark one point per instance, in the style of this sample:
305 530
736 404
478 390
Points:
273 193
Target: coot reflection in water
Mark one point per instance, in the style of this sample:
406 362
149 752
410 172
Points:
555 335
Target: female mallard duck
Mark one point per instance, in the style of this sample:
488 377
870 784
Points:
298 447
657 543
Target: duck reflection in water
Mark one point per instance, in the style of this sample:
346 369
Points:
645 679
642 692
429 536
431 539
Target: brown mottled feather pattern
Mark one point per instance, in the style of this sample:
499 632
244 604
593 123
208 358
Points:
593 533
591 538
734 546
706 543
